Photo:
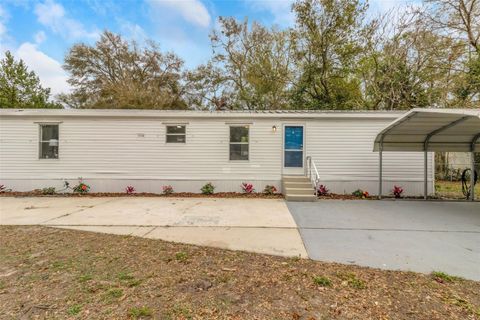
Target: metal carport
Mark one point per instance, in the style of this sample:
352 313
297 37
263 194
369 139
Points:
430 130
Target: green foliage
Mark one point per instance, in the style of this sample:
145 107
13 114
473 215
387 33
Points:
114 293
322 281
74 310
48 191
444 277
138 312
21 88
269 190
85 278
208 188
81 187
181 256
115 73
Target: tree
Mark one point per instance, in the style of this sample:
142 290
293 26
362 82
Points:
250 68
409 65
20 88
328 41
460 19
115 73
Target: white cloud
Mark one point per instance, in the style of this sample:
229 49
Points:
48 69
193 11
3 21
53 15
133 31
281 10
40 37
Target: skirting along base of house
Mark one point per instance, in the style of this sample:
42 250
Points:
412 188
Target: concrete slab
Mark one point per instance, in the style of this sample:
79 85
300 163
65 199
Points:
398 235
275 241
172 212
37 210
127 231
256 225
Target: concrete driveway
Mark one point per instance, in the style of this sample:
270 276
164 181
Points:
256 225
405 235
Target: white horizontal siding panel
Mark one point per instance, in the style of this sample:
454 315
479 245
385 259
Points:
343 153
136 148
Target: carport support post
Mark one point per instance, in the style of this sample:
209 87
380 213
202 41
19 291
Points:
425 173
380 170
472 176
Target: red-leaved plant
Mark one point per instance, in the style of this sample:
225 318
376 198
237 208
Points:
167 189
269 190
129 189
322 190
397 191
247 187
81 187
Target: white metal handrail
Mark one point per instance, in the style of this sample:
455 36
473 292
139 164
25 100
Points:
312 172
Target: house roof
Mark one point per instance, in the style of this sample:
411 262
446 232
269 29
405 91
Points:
453 130
137 113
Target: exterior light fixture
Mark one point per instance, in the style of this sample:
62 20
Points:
274 128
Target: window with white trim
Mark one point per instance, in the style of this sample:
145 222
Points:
239 142
176 134
48 142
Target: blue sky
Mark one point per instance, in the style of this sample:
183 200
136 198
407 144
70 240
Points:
41 32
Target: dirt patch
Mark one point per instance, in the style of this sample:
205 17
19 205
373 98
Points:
38 193
55 273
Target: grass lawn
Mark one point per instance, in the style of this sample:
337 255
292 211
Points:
52 273
453 189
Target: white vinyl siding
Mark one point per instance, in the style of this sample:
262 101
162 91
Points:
113 152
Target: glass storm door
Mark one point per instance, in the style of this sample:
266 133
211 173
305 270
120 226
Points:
293 150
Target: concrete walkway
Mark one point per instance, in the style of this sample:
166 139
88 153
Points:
400 235
257 225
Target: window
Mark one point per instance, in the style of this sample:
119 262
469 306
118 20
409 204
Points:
239 143
176 134
48 141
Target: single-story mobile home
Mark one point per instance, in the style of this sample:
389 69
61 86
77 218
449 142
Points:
112 149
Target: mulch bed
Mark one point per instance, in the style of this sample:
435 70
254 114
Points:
48 273
38 193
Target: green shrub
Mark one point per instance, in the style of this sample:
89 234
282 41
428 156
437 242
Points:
322 281
269 190
81 187
208 188
48 191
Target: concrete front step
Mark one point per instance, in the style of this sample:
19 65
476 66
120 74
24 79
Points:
296 185
305 191
298 188
295 179
300 197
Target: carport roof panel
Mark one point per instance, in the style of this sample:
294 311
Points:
451 130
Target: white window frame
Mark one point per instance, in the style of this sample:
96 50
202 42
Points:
230 143
175 134
40 141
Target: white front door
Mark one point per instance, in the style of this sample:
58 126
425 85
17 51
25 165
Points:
293 149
